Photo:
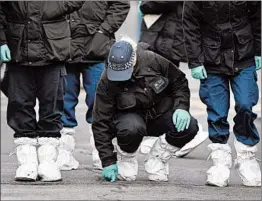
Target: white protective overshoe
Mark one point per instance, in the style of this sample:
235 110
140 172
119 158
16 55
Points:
48 169
65 159
218 174
246 164
200 137
127 165
156 163
27 159
147 144
97 165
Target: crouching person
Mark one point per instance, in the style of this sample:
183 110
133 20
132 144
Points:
38 36
140 94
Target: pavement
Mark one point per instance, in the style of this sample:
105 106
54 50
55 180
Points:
186 180
187 176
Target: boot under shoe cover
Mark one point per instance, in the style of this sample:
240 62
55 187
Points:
246 164
156 163
218 174
48 169
65 159
27 159
127 165
97 165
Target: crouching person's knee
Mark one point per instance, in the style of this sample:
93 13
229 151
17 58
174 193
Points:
129 139
179 139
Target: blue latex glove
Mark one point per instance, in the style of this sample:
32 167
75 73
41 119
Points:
199 73
110 173
5 53
181 119
258 62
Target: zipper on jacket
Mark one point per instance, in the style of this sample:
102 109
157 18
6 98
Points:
232 34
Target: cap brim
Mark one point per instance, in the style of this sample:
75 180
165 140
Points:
119 75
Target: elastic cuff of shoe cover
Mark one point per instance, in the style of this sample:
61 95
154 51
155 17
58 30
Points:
216 146
240 147
123 153
25 140
48 140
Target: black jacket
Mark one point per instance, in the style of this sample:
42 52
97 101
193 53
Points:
37 33
165 36
87 45
223 35
157 85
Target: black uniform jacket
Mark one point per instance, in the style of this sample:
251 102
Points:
36 32
87 44
157 85
223 35
165 36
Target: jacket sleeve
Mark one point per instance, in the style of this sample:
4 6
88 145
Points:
71 6
254 10
156 7
102 117
115 16
2 25
191 25
177 81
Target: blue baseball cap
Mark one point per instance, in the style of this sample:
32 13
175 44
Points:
120 61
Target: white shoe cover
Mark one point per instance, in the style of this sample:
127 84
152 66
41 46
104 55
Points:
48 169
27 159
127 165
95 156
156 163
218 174
147 144
65 159
246 164
200 137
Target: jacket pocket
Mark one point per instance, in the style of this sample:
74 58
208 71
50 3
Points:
15 37
125 101
98 48
211 50
245 43
57 40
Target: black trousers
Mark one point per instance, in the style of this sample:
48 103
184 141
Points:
130 128
25 85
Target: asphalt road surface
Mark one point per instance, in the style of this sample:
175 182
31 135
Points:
187 175
186 180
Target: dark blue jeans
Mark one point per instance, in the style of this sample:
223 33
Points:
215 93
91 74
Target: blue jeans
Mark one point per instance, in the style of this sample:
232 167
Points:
91 74
215 93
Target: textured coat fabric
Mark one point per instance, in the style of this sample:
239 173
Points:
37 33
165 36
223 35
145 94
87 44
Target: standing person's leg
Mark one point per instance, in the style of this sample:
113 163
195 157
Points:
156 164
91 76
245 89
21 118
130 128
50 93
214 93
65 159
